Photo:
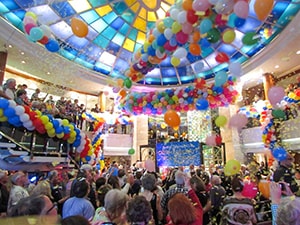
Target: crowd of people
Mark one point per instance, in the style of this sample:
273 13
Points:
62 108
125 196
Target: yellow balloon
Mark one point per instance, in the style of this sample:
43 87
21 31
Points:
175 61
163 125
65 122
221 121
32 15
61 135
176 27
161 27
232 167
49 126
3 118
1 112
44 119
228 36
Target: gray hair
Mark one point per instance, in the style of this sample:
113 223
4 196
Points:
179 177
115 203
149 182
288 211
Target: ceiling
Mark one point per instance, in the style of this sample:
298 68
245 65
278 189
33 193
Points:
117 29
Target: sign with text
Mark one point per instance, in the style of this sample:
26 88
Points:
178 154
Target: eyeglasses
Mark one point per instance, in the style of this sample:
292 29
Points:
54 206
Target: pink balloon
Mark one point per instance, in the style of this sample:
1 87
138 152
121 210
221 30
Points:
150 165
201 5
249 190
187 28
276 94
238 121
241 9
211 140
181 37
28 19
28 27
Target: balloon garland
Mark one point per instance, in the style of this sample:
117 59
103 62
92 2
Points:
34 120
198 96
187 25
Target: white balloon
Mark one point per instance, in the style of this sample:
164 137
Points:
24 118
168 33
235 68
19 110
181 18
174 13
12 104
180 53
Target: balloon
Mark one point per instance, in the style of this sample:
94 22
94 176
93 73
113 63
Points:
211 140
192 17
222 57
127 83
220 78
263 8
79 27
279 153
221 121
232 167
31 14
150 165
249 189
187 5
181 18
224 6
239 22
250 38
264 188
36 33
52 45
213 35
235 68
202 104
238 121
131 151
182 37
276 94
28 27
278 114
195 49
175 61
172 118
228 36
180 53
241 9
201 5
205 26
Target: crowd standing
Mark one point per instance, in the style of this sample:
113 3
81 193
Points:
122 195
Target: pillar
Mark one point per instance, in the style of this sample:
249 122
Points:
102 101
268 82
3 59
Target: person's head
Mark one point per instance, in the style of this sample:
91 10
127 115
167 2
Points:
102 191
53 177
216 180
11 83
100 181
139 210
21 93
237 184
181 209
34 205
42 188
288 162
75 220
197 184
3 176
288 211
179 177
114 182
19 179
149 182
37 91
88 169
115 202
81 188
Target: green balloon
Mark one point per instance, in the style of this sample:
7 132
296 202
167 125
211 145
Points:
131 151
278 114
250 39
213 35
128 83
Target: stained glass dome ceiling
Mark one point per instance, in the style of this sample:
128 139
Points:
118 29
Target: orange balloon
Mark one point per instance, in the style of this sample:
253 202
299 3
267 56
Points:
187 5
196 36
263 8
79 27
195 49
264 188
122 93
172 118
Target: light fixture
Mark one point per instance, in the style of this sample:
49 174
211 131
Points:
291 140
298 52
23 62
22 53
277 66
48 73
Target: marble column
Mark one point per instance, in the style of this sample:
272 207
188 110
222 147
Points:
268 82
3 59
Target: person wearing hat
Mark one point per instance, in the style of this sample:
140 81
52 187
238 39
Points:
18 191
4 193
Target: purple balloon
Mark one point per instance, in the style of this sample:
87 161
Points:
276 94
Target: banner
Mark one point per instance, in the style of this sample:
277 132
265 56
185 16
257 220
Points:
178 154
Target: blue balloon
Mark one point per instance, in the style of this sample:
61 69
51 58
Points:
9 112
4 103
205 26
202 104
52 46
161 40
220 78
239 22
279 153
88 158
66 129
55 123
151 51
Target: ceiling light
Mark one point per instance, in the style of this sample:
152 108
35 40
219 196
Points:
298 52
10 46
22 53
48 73
277 66
23 62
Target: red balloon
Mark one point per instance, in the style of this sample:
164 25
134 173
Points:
44 40
192 17
218 140
222 57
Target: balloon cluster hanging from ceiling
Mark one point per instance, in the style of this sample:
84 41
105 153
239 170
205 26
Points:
187 25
